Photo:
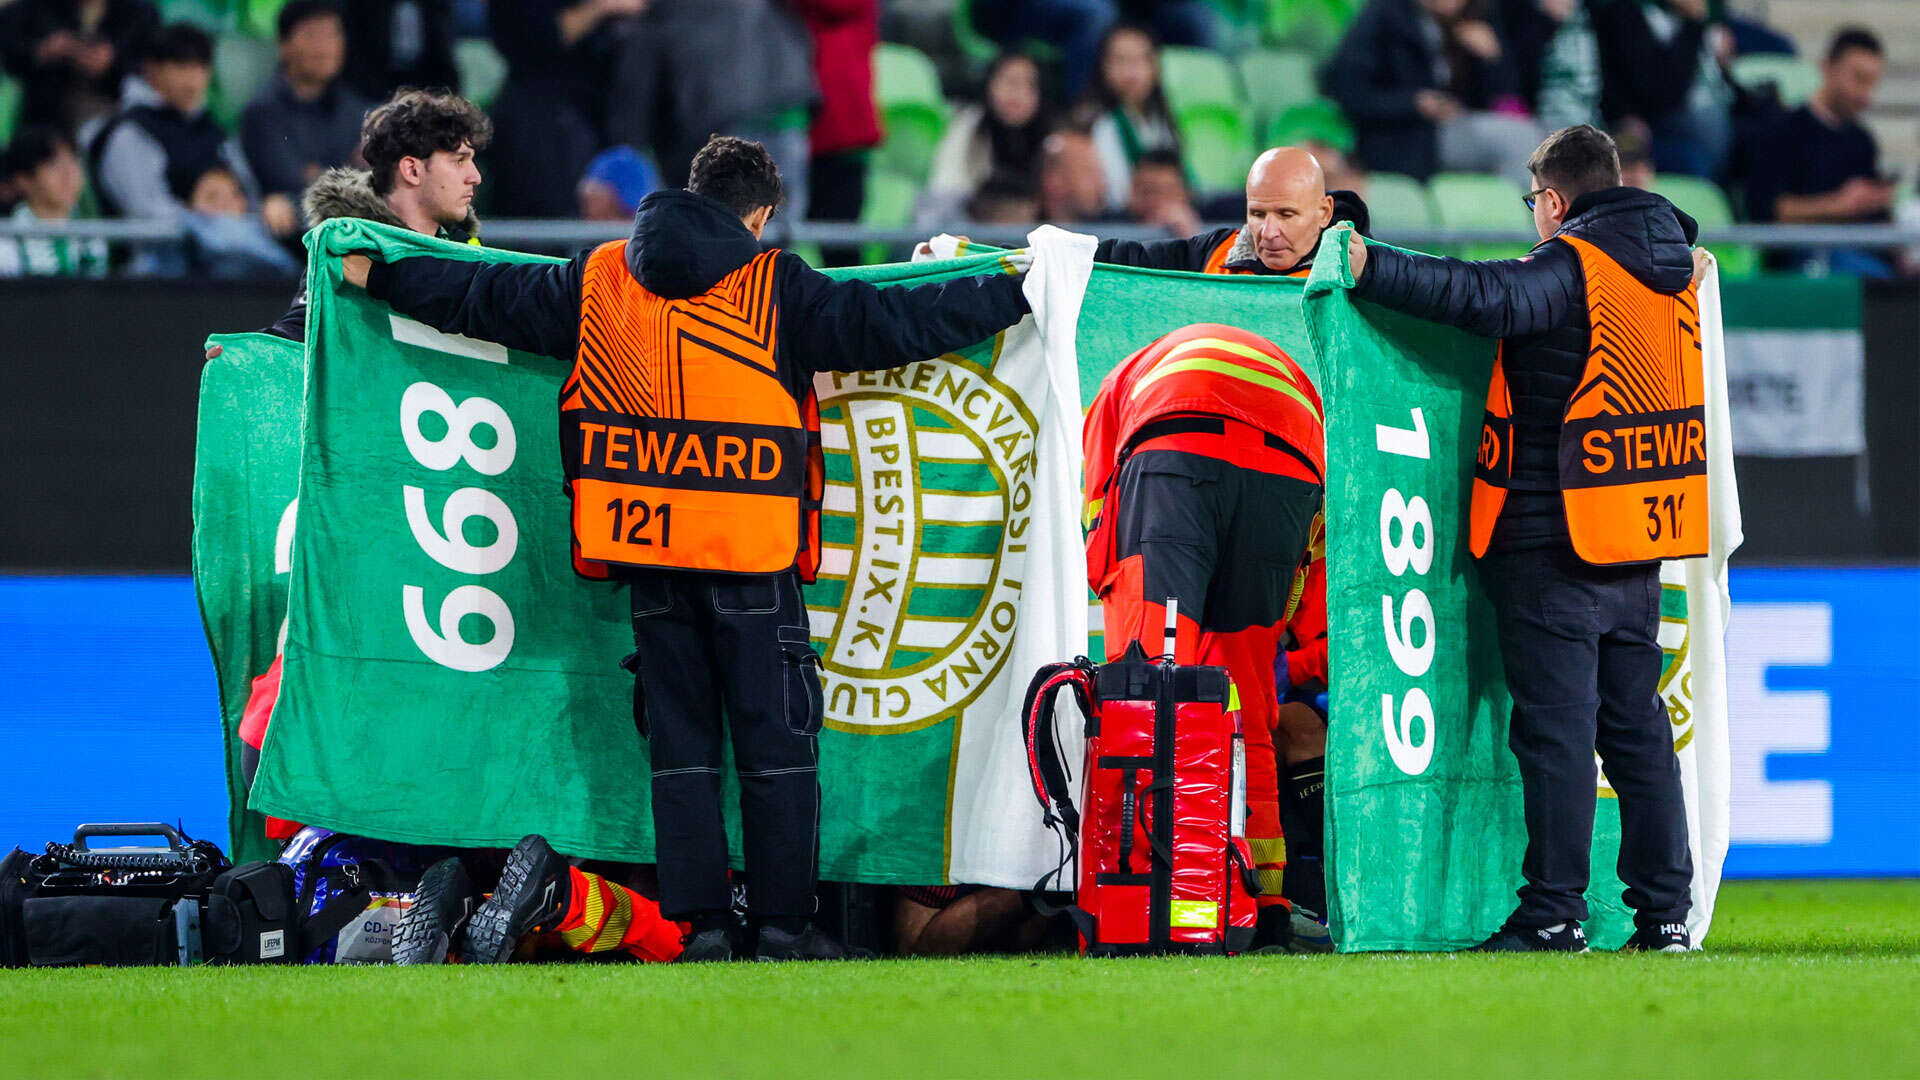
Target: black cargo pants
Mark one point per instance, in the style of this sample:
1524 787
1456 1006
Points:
1583 663
708 644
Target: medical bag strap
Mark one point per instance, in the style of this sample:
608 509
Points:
1051 782
1160 831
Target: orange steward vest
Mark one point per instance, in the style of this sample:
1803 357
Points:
1633 457
685 448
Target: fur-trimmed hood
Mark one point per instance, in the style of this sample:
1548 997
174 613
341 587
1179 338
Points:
347 192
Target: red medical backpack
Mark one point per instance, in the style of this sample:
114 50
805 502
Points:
1159 828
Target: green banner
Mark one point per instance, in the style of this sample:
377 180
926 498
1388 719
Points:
246 467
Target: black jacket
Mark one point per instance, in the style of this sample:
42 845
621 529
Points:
682 245
1383 61
1538 306
1639 74
1191 253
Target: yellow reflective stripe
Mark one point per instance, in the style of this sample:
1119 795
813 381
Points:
1093 512
1271 881
1247 352
1230 370
1268 851
593 919
1233 696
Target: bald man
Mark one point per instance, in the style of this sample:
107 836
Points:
1288 207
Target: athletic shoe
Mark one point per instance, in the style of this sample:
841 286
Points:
705 947
531 897
438 918
809 944
1310 935
1561 937
1663 937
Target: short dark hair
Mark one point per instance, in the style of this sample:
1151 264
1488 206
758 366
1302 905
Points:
1576 160
415 123
179 43
299 11
1848 38
737 173
33 146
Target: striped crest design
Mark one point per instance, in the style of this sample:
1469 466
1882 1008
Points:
1645 351
634 345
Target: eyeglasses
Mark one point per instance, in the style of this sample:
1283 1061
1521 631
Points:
1533 196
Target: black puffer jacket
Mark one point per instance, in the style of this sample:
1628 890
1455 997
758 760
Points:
682 245
1538 306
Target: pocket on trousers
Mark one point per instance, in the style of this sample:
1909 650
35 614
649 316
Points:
800 678
652 595
759 595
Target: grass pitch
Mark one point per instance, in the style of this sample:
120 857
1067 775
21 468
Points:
1801 979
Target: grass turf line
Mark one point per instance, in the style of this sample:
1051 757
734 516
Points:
1801 978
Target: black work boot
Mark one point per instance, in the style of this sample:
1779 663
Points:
1560 937
808 943
428 930
531 897
705 947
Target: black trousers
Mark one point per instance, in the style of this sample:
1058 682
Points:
708 644
1583 663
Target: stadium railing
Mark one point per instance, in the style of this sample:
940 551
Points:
553 234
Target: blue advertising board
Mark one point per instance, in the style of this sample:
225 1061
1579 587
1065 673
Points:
108 712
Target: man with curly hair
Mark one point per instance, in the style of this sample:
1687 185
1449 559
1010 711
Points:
690 437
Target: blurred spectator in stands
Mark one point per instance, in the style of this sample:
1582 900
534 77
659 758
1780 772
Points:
1004 198
1076 27
148 155
1528 27
1821 165
1072 187
225 240
688 69
71 55
1000 137
396 43
614 184
1125 109
1159 195
1658 65
305 121
847 125
42 169
550 117
1429 85
1568 94
1636 159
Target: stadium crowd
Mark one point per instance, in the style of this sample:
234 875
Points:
1075 111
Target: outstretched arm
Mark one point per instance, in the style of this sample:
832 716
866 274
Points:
532 307
854 326
1500 298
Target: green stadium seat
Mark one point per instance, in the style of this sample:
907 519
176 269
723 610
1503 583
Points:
9 107
1311 26
1193 77
1218 147
209 15
482 70
1795 79
906 88
889 205
903 74
1708 205
1479 201
1318 120
1276 80
1396 201
241 66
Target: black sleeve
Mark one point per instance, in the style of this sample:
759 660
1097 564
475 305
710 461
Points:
830 325
1188 253
1501 298
1767 179
533 307
293 325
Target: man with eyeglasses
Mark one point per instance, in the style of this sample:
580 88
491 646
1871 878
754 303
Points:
1591 469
